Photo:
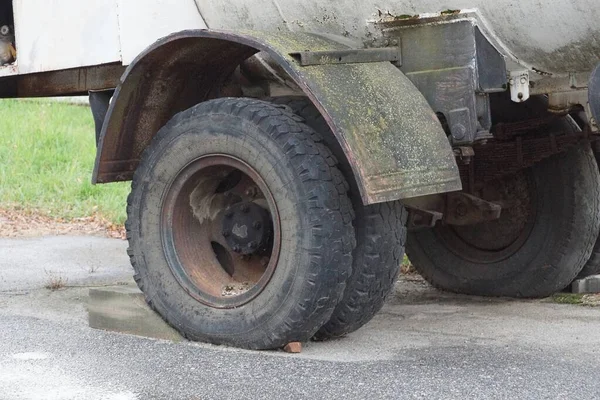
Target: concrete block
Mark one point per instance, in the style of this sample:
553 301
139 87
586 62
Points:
590 284
123 309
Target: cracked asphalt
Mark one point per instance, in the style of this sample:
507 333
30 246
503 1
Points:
424 344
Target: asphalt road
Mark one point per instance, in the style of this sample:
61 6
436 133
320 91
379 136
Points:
425 344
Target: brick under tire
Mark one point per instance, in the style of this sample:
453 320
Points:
380 236
559 236
314 215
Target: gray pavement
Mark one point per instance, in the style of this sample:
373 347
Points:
424 345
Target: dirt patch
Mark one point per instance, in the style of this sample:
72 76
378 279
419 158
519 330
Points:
16 223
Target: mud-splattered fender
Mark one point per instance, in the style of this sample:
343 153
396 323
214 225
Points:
390 135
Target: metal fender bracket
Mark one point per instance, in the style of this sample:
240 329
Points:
351 56
452 209
519 86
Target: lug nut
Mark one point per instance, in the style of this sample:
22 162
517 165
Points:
237 249
245 208
251 191
226 233
257 225
228 213
253 245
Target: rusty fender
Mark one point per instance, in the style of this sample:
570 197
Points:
390 135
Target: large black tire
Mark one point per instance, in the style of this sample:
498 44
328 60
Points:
552 246
380 236
504 110
315 217
592 267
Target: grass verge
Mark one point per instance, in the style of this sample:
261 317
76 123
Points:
47 153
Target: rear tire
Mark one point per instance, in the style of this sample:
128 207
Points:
380 235
226 159
592 267
549 249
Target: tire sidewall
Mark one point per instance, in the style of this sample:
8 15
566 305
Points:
182 144
551 256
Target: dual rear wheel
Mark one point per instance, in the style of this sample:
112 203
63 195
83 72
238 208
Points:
244 231
241 230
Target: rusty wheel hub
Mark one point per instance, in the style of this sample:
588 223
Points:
221 231
496 240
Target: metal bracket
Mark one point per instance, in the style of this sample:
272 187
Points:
466 209
422 219
519 86
464 154
99 103
457 208
350 56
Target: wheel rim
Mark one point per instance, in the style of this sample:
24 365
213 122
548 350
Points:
220 231
494 241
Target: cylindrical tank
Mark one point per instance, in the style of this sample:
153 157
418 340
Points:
555 37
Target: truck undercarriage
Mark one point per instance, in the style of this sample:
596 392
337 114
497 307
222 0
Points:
278 175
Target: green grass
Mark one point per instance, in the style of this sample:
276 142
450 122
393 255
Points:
47 153
568 298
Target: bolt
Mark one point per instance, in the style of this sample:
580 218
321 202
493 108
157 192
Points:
257 225
459 131
245 208
252 191
523 80
237 249
253 245
226 233
461 209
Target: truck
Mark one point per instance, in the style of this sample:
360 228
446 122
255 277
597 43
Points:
284 153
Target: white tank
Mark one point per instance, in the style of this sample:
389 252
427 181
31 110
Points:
555 37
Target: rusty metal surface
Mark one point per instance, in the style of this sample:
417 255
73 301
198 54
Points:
419 219
390 135
457 208
77 81
197 247
466 209
497 239
497 159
